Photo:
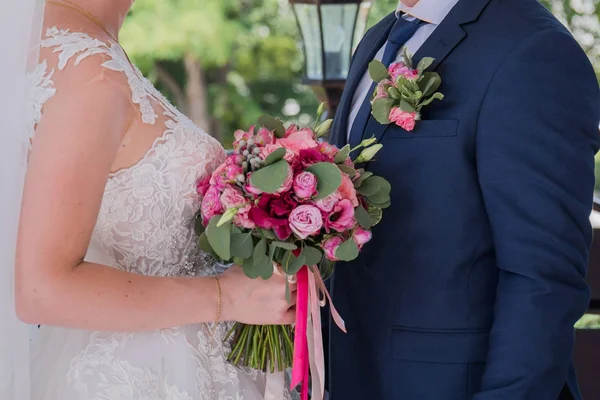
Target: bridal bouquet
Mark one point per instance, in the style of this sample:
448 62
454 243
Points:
284 199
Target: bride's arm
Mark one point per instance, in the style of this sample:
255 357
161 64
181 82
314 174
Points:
74 147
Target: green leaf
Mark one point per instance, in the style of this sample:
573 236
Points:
250 269
227 216
377 71
367 154
363 176
430 83
369 187
323 128
284 245
272 124
363 218
406 107
347 169
293 263
219 238
275 156
376 213
381 110
329 178
242 245
394 93
407 58
270 178
342 155
312 254
205 245
379 199
198 225
425 63
262 263
347 251
436 96
326 268
267 234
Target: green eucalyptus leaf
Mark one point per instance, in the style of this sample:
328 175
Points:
275 156
381 110
394 93
379 199
347 251
296 262
425 63
312 254
377 71
342 155
406 106
363 217
284 245
347 169
369 186
205 246
242 245
430 83
250 269
376 213
270 178
262 263
326 268
329 178
267 233
272 124
219 238
363 176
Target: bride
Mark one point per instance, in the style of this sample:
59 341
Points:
106 257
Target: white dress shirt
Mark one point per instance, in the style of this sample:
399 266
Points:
431 11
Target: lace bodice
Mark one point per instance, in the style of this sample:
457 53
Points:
146 217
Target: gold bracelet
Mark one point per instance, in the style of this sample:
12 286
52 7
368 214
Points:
218 300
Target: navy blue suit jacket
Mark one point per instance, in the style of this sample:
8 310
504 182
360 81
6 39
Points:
476 275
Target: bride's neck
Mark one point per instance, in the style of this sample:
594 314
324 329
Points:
111 13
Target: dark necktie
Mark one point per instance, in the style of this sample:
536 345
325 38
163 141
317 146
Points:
399 35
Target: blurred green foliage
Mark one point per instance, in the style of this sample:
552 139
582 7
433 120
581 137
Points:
225 62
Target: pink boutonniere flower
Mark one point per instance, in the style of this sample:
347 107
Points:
402 91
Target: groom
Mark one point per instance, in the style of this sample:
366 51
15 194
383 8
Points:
476 275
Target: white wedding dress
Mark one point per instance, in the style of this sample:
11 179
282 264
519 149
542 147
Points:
145 226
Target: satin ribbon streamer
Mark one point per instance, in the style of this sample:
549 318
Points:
308 342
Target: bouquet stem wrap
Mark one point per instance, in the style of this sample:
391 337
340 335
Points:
308 342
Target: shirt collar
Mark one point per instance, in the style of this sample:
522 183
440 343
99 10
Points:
431 11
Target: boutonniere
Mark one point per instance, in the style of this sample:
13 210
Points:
402 91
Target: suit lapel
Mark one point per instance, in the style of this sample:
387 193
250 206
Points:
365 52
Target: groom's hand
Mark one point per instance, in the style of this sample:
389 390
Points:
536 139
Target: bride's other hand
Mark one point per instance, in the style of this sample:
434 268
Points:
256 301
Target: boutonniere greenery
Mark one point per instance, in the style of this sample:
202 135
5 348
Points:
402 91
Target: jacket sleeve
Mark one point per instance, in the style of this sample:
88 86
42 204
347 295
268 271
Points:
537 134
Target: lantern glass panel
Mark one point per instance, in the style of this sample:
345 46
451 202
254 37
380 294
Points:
308 19
338 29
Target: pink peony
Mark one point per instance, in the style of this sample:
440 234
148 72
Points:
232 198
308 157
403 119
361 236
211 205
400 69
305 185
305 220
331 245
202 185
263 215
347 190
342 217
224 174
328 203
299 140
234 159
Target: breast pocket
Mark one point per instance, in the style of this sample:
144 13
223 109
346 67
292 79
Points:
425 129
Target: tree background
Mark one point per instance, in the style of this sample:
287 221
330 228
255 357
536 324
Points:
225 62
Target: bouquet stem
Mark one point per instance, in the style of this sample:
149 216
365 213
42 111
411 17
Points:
262 347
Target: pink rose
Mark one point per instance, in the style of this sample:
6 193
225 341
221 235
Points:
264 137
305 185
326 204
382 87
243 218
299 140
328 149
251 189
224 174
361 236
293 130
202 185
305 220
234 159
347 190
240 135
331 245
342 217
211 205
403 119
269 148
400 69
232 198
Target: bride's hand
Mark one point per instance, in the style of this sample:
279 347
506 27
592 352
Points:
256 301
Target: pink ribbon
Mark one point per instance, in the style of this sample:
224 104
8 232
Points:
308 342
